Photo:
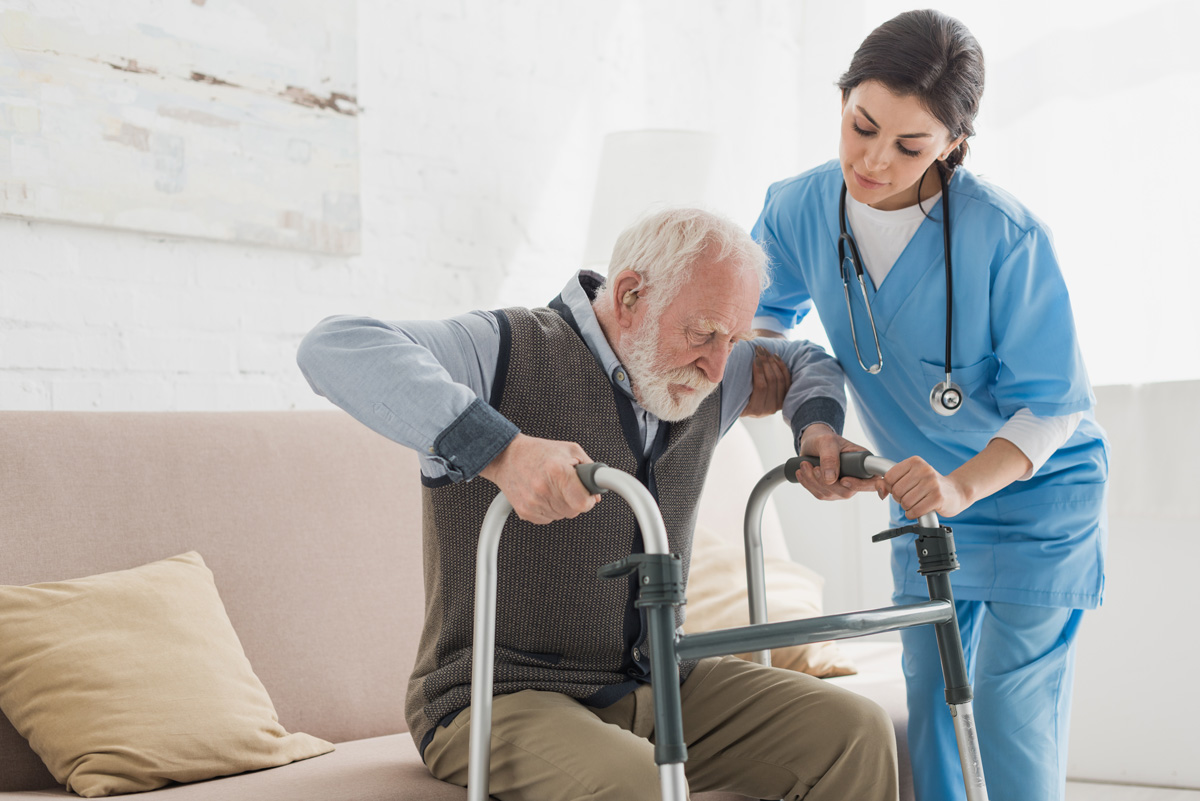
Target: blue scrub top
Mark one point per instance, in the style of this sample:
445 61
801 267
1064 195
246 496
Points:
1040 541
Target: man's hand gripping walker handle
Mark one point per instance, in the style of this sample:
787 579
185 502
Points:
854 464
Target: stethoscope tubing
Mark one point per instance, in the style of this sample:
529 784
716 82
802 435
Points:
946 398
844 240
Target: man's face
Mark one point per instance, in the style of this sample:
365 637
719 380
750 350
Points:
676 355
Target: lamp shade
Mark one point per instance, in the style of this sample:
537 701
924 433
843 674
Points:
641 170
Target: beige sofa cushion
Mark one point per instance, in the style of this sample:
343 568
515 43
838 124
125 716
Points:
125 681
717 599
310 521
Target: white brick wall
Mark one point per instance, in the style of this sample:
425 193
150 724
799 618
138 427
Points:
480 138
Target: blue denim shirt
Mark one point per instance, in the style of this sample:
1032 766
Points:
424 383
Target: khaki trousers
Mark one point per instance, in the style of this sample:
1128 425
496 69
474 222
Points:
762 732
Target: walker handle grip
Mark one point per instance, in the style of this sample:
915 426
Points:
587 475
853 465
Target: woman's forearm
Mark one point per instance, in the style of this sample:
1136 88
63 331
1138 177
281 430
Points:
991 470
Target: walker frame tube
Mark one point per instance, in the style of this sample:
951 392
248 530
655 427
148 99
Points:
810 630
670 751
954 669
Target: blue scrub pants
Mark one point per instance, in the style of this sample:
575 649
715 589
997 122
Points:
1021 660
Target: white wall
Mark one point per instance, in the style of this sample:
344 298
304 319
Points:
480 139
1136 693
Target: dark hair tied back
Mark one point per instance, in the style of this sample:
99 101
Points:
930 56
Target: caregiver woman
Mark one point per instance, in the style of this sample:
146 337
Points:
1019 468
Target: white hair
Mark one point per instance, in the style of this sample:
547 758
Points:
664 246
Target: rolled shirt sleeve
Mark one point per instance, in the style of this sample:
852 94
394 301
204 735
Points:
817 393
765 322
423 384
1038 437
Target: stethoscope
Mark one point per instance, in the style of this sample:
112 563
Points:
946 398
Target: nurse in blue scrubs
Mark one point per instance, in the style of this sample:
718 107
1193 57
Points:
1019 468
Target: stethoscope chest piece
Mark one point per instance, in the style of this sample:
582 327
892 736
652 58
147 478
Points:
946 398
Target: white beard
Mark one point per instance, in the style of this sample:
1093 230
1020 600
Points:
651 384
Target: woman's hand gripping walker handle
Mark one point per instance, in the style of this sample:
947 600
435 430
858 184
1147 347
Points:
596 478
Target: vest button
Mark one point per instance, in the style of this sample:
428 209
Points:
620 376
637 655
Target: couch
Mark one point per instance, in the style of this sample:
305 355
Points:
310 524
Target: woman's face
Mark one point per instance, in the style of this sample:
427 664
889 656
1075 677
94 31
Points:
888 142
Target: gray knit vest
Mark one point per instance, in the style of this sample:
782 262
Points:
559 627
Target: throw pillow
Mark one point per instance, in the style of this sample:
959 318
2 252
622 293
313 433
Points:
125 681
717 599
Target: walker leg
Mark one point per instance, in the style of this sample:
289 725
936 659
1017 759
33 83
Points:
958 691
660 591
673 782
968 751
670 751
483 654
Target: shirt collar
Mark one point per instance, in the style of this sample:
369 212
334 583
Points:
915 213
578 295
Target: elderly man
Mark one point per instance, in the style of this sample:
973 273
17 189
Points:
645 372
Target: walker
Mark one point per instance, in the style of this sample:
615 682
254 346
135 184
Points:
660 579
